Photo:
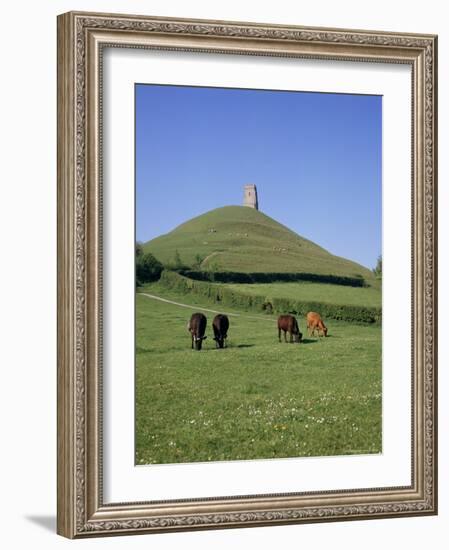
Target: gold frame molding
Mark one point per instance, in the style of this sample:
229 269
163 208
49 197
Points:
81 38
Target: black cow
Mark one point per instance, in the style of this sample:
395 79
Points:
197 328
220 324
288 323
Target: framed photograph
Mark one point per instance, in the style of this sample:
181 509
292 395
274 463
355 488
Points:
247 281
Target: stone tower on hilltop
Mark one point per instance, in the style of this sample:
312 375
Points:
250 196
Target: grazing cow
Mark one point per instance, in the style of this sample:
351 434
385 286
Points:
314 322
197 328
220 324
288 323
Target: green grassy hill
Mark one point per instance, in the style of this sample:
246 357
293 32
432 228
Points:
241 239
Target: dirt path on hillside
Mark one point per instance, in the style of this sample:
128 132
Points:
211 255
188 306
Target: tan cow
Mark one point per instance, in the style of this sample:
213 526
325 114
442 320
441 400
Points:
314 322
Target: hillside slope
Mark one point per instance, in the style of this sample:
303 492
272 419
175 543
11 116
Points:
237 238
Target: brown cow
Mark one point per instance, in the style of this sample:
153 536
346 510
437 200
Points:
197 327
314 322
288 323
220 325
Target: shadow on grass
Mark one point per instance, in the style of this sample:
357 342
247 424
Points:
303 341
243 346
316 339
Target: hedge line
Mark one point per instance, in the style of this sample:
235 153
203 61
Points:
224 295
261 277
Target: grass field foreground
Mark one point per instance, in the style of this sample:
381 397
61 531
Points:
257 398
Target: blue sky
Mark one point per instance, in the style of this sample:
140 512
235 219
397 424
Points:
316 160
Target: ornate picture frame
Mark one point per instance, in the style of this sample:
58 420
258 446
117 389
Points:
82 39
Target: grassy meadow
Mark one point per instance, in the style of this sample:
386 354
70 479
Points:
258 398
328 293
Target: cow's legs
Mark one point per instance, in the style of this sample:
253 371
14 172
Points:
192 341
279 335
285 336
